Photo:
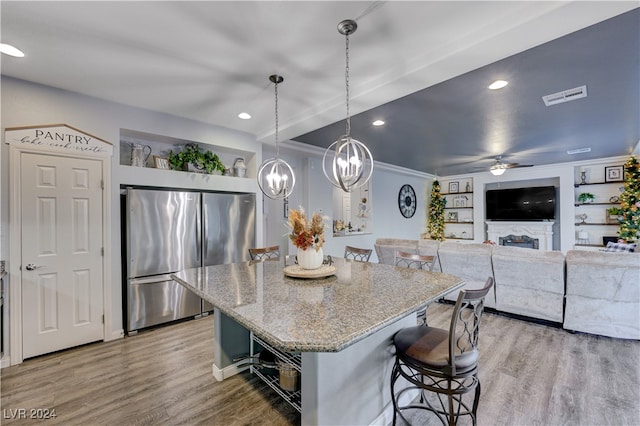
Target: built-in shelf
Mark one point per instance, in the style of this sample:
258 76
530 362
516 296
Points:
456 193
461 222
577 185
596 224
456 238
590 245
293 359
596 204
458 208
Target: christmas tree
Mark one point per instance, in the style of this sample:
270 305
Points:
435 226
629 209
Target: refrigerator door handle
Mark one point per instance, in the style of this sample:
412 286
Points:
205 229
199 233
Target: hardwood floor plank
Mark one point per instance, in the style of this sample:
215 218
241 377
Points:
531 374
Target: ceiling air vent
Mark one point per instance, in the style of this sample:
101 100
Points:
565 96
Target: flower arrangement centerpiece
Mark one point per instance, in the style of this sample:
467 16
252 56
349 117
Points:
308 237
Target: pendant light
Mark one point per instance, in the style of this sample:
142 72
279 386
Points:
275 176
347 163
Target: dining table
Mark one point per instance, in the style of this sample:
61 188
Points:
334 325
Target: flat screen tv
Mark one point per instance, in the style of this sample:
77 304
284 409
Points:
533 203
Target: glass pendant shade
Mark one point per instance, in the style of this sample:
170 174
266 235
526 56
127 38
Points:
347 163
276 178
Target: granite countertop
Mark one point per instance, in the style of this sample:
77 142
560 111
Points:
316 315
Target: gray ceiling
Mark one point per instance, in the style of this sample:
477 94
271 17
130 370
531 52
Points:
423 67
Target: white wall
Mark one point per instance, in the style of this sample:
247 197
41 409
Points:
25 104
314 193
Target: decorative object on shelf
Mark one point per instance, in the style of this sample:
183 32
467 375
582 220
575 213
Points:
239 168
460 201
452 216
583 177
614 174
362 207
454 187
614 215
347 163
583 217
614 199
467 187
629 209
193 154
407 201
308 237
161 162
586 198
583 237
139 154
275 176
435 220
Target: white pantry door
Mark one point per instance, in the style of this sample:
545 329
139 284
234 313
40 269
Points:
62 275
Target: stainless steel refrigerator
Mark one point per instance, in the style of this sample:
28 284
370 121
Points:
167 231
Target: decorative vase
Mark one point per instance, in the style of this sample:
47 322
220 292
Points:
310 258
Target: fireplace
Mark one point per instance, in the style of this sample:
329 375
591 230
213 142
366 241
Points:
535 235
519 241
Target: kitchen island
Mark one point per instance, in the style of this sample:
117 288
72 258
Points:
338 327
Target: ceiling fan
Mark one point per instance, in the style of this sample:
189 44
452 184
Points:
499 166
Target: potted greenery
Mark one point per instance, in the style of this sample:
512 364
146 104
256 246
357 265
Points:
193 154
586 197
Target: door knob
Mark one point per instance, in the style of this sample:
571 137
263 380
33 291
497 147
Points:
31 267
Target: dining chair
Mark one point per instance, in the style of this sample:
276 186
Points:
414 260
264 253
441 361
358 254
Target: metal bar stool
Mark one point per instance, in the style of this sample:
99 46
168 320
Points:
355 253
265 253
442 361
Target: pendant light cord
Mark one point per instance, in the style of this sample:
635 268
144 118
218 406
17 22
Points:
277 145
346 80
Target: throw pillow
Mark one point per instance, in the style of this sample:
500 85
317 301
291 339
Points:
620 247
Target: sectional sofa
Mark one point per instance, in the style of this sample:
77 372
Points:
588 291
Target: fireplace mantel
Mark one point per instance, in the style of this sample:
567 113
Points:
543 231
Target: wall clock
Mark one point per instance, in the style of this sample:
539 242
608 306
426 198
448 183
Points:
407 201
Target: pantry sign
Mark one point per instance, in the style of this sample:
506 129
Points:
58 137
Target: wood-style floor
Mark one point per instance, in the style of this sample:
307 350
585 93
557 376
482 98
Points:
531 375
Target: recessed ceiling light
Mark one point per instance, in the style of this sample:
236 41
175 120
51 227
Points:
578 151
8 49
498 84
378 123
244 116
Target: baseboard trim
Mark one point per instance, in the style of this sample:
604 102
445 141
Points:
231 370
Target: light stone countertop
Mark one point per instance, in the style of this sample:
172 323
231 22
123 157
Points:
316 315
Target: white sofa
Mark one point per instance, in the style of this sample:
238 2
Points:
603 293
590 291
471 262
387 247
529 282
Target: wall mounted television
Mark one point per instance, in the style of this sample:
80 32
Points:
532 203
